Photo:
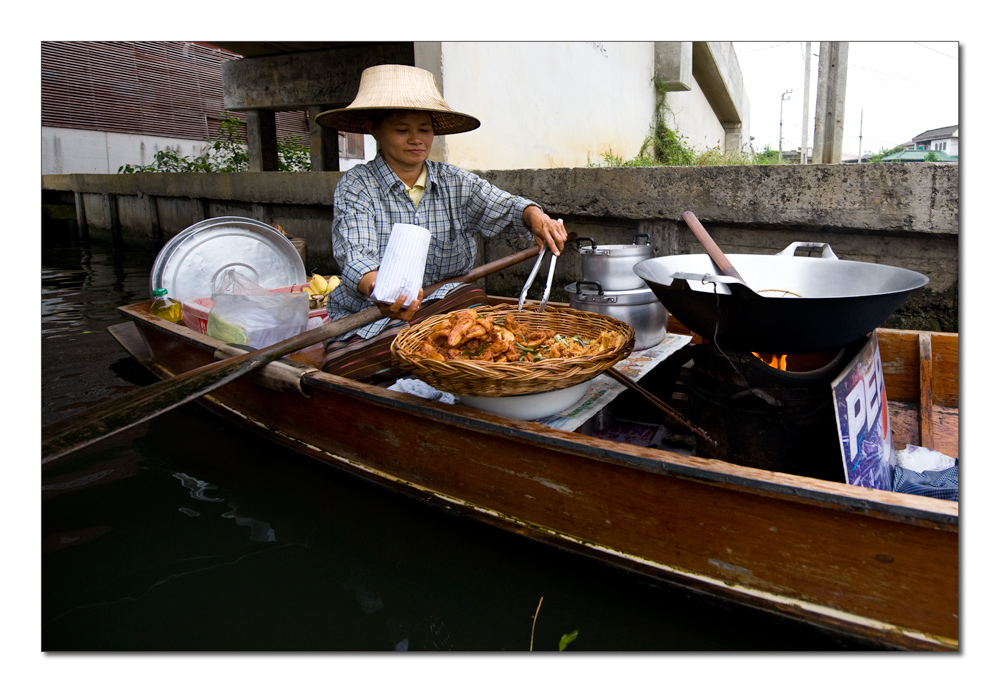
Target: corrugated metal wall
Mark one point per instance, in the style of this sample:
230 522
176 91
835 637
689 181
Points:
167 88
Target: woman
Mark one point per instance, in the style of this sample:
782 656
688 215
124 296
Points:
400 106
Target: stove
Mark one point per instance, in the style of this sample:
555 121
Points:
781 419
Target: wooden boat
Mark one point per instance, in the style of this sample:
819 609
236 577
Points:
874 565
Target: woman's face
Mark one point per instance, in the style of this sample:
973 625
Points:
405 139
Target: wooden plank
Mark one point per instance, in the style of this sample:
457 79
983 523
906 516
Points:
900 351
946 368
926 392
904 418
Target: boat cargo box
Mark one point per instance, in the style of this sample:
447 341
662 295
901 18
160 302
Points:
196 310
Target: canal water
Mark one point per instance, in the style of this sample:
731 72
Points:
188 534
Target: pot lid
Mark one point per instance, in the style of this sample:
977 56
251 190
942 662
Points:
189 264
623 250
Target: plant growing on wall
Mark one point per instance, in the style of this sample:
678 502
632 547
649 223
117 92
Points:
664 146
226 154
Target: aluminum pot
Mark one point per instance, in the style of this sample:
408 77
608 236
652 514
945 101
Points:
611 265
640 308
788 305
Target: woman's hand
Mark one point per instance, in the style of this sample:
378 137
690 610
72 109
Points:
398 310
547 231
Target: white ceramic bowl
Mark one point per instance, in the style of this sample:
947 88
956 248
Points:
536 405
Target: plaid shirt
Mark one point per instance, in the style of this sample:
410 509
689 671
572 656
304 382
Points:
456 206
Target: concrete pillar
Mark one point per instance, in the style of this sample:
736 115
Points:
672 64
110 204
258 212
734 137
427 56
153 214
324 143
262 140
81 217
831 94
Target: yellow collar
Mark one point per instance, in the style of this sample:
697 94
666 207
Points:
417 191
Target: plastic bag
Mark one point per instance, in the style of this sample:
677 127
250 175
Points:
245 313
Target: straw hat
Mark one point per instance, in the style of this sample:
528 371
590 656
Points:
397 88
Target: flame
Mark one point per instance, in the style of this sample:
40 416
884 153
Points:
779 361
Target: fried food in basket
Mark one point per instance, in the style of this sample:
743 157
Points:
468 335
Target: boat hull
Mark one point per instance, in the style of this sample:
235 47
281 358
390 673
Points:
870 564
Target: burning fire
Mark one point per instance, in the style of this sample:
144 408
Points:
779 361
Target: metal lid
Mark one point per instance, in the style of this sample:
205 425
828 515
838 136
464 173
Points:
592 292
634 250
189 264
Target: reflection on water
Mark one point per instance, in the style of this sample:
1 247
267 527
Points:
187 533
81 292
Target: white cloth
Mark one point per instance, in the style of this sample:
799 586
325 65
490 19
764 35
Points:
412 386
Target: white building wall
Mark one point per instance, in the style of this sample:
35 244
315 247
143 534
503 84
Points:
548 105
371 149
68 150
690 115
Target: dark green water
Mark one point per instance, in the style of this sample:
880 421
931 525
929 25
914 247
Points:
189 534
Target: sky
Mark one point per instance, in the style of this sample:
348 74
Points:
895 91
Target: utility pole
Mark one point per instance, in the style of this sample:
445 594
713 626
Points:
831 92
804 155
860 129
781 118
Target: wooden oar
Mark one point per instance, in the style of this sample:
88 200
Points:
63 437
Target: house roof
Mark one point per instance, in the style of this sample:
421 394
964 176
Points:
937 134
919 155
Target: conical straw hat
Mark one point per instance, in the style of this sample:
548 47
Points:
397 88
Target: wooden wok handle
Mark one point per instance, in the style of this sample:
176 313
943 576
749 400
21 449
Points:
710 246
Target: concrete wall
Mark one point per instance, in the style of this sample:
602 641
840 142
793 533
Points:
901 214
690 114
568 104
548 105
68 150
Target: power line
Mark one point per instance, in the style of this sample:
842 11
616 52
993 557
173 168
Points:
953 57
886 74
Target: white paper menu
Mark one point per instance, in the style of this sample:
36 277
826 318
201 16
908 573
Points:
401 272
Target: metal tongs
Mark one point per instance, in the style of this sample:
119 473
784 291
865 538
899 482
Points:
531 278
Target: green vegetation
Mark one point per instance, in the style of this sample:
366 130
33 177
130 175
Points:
566 639
930 155
885 152
665 147
227 154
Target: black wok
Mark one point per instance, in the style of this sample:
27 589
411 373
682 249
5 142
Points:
787 305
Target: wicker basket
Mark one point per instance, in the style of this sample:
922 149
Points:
488 379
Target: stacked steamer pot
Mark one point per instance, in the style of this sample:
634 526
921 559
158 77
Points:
611 287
